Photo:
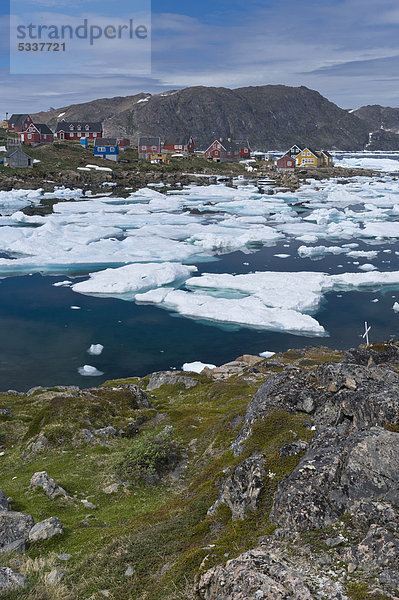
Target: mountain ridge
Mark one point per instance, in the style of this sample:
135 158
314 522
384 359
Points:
270 116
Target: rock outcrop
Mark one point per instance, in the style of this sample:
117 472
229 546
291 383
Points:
14 530
45 530
241 491
42 480
10 580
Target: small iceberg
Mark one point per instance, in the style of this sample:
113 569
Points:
89 371
95 349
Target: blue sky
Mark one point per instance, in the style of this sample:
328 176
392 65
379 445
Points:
348 50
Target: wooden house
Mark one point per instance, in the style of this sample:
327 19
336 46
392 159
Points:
294 151
223 151
326 158
245 150
180 145
17 158
19 122
36 133
74 130
148 146
123 144
106 148
285 164
308 158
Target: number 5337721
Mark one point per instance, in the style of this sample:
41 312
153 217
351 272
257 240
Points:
42 47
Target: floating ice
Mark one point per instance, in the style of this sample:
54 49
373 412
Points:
95 349
368 267
66 283
75 307
132 279
89 371
197 367
396 307
267 354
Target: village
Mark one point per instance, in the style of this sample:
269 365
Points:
23 133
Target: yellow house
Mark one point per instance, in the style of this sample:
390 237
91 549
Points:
161 158
327 159
308 158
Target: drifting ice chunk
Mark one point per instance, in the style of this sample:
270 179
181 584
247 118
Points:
89 371
249 311
95 349
197 367
396 307
368 267
62 284
132 279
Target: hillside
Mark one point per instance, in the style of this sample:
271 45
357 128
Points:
383 125
263 479
271 116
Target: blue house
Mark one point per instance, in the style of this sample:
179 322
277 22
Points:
106 148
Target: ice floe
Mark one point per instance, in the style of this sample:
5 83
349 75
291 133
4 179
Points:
196 367
128 281
95 349
89 371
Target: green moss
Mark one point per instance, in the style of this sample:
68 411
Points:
360 591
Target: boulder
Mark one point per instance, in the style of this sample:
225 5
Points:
106 432
241 491
254 575
42 480
10 580
3 501
45 530
5 412
14 530
156 380
54 577
340 469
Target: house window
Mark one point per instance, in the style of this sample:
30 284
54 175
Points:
112 149
100 149
71 127
144 148
29 136
45 137
87 127
154 148
94 135
79 135
79 127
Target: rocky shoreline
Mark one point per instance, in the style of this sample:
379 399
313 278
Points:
303 496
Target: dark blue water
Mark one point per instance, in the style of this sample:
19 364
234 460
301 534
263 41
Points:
44 342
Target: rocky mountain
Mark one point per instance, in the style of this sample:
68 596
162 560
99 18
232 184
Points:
383 126
269 479
271 116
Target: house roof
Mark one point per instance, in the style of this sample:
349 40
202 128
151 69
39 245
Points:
43 129
92 127
177 141
149 141
310 150
326 153
14 151
105 142
17 119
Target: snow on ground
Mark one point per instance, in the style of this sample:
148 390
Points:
138 247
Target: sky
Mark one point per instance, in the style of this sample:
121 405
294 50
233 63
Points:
348 50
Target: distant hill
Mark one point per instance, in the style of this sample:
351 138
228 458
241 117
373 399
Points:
271 116
383 126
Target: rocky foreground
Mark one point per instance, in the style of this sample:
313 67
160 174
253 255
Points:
263 479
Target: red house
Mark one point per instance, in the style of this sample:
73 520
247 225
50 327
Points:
221 151
148 146
245 150
36 133
123 143
75 130
19 122
180 145
286 163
